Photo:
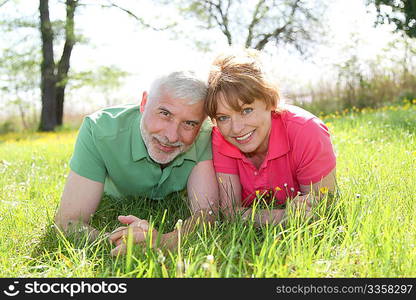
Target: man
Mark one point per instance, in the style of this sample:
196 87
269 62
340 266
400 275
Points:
151 150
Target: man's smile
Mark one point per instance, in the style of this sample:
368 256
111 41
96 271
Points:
165 148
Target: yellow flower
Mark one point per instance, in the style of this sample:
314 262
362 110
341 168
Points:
277 188
65 259
257 193
323 190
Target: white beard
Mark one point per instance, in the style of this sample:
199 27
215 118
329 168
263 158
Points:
156 154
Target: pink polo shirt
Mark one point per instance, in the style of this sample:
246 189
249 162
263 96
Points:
300 153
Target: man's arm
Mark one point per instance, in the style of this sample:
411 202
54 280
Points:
80 199
202 188
203 197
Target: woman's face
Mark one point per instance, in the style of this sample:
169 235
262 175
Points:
247 129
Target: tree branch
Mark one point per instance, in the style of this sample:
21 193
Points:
4 2
254 21
275 34
140 20
223 23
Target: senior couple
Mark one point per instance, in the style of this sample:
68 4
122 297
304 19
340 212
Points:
257 148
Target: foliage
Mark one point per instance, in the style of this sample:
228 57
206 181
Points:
368 232
105 79
20 61
402 13
377 81
254 24
19 79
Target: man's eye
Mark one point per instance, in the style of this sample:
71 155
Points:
190 125
247 110
164 113
222 118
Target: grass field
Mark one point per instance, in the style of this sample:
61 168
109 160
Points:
368 232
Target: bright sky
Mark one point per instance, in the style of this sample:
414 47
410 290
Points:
116 39
146 53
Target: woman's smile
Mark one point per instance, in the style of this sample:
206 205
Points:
244 139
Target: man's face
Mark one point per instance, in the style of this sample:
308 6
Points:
169 126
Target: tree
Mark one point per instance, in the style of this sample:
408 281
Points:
106 79
54 78
402 13
258 22
26 64
19 79
19 66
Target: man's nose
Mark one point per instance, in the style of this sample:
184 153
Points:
172 132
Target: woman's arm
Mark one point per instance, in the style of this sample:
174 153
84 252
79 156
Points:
312 194
230 202
230 195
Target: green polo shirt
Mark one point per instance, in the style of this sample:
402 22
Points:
110 149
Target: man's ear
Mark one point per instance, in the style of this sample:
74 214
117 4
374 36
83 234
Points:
213 121
144 101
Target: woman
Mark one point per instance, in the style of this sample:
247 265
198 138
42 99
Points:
261 148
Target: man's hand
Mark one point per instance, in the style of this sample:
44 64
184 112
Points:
139 229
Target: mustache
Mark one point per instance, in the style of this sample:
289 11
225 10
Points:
165 142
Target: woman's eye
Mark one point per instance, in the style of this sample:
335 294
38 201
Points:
247 110
222 118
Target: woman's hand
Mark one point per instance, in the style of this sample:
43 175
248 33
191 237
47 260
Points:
303 203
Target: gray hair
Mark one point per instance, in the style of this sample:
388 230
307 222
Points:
179 85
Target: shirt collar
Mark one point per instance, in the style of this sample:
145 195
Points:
278 140
139 150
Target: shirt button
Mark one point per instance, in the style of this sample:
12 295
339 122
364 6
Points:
255 173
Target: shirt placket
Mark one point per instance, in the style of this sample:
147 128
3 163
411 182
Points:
259 175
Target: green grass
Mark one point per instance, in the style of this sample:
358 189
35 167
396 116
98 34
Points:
368 232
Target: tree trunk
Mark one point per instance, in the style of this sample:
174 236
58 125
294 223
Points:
63 66
48 119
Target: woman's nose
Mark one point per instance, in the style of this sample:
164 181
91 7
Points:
237 126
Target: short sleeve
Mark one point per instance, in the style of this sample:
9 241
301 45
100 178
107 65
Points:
204 150
86 159
313 153
222 163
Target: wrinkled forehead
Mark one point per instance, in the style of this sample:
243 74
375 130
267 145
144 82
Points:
180 108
